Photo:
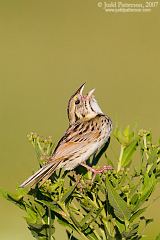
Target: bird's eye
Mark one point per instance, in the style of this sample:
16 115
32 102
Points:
77 101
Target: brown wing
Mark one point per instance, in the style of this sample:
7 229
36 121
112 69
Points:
76 137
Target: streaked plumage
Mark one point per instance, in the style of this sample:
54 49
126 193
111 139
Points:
88 131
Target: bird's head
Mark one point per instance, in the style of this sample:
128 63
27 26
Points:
82 107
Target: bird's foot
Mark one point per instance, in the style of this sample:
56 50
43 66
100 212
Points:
96 171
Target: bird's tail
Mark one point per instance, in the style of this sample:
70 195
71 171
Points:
42 174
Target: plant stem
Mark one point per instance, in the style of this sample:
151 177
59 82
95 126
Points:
49 223
120 158
145 145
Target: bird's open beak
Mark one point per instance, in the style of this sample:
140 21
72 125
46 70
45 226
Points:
80 90
89 95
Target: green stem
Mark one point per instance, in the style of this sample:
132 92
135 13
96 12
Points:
145 145
120 158
49 223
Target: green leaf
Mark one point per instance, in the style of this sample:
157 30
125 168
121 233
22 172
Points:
89 233
128 152
66 224
147 189
4 194
89 218
20 193
85 219
152 156
124 137
31 216
52 205
39 208
67 195
120 225
134 199
41 231
137 214
16 198
133 233
128 133
74 219
157 237
121 209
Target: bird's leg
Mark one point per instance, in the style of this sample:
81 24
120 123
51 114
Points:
100 170
96 171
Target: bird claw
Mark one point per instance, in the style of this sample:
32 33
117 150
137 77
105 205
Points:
97 171
101 170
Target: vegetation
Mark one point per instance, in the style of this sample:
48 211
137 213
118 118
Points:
111 206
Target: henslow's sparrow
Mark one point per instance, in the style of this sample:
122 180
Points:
89 129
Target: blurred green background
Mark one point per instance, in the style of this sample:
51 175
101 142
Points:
47 50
